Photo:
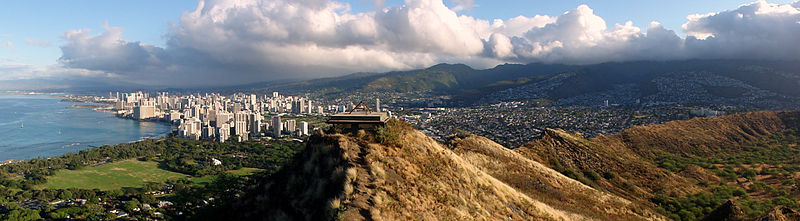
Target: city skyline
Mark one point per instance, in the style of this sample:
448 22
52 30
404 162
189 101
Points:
187 44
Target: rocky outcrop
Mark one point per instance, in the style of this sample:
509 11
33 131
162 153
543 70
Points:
728 211
780 213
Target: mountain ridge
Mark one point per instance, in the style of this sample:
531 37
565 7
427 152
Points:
777 83
399 173
355 177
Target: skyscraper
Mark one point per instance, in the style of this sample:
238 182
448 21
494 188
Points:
255 124
303 128
291 126
276 126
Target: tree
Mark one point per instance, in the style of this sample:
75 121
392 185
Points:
58 215
21 215
66 194
74 165
147 198
151 186
131 205
112 193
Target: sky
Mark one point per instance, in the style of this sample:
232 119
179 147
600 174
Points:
227 42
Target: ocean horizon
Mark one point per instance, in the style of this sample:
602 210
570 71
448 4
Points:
33 126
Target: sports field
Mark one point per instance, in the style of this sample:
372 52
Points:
128 173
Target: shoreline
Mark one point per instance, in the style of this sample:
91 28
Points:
96 107
105 107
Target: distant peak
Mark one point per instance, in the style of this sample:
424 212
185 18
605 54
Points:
445 66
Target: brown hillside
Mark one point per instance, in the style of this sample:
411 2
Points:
780 214
409 176
631 152
637 178
416 178
701 136
628 164
545 184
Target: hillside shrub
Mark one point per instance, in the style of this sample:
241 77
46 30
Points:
391 133
591 175
610 175
696 206
557 165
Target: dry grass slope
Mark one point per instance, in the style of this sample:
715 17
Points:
415 178
419 179
700 136
545 184
636 177
632 154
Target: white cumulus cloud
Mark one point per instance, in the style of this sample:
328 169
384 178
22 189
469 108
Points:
239 41
759 30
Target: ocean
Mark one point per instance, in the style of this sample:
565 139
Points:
34 126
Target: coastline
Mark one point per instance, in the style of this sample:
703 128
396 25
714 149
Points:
30 150
104 106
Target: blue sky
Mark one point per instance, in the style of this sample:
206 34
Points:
32 36
144 20
148 20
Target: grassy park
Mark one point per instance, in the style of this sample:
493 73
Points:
127 173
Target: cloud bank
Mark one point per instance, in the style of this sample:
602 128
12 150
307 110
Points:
237 41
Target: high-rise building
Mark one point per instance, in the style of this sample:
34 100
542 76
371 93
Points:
223 118
277 127
291 126
240 125
190 128
209 132
241 130
223 132
255 124
274 94
145 110
303 128
377 104
174 115
299 106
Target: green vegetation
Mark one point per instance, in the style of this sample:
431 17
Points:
694 207
591 175
392 132
422 80
17 213
774 156
780 149
127 173
205 180
112 175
